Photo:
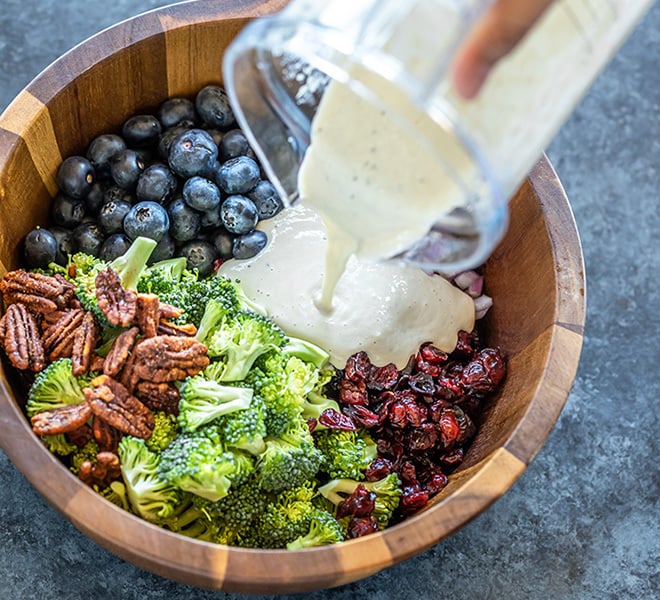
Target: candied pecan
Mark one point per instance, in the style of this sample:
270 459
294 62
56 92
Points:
120 351
97 362
84 342
61 420
21 340
353 392
159 396
117 304
169 358
80 435
102 472
166 327
59 335
112 402
42 294
167 311
106 436
147 314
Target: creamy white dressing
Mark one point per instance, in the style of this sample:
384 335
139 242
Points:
383 309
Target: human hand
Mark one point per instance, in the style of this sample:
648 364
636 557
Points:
500 29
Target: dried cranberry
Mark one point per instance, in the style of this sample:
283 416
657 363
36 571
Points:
391 448
435 410
331 419
432 355
423 366
467 344
363 416
361 526
360 503
422 383
358 367
448 387
423 437
407 472
435 483
383 378
452 458
311 424
449 427
413 498
380 467
353 392
484 372
465 425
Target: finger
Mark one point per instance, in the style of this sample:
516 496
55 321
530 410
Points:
502 27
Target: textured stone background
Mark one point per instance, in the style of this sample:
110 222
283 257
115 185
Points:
582 522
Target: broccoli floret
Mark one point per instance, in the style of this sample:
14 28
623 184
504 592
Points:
116 493
307 351
324 529
198 463
203 400
346 454
150 496
289 460
286 517
315 404
244 429
128 267
54 387
58 444
239 339
168 279
190 520
387 490
165 430
215 312
86 452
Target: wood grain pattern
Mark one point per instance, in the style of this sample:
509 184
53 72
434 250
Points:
536 277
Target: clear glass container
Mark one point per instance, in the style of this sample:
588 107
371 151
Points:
396 55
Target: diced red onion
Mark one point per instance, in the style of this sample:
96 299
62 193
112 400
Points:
466 279
481 306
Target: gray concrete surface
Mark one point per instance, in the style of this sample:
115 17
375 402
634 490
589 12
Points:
583 520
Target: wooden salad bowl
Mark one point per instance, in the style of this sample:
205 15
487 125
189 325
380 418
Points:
535 276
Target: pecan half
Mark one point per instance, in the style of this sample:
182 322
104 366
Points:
120 351
42 294
81 435
59 335
21 340
167 311
102 472
117 304
61 420
166 327
159 396
112 402
169 358
84 342
106 436
147 314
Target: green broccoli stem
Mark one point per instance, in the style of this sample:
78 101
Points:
130 265
307 351
315 404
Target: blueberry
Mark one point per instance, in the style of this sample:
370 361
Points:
95 198
168 136
249 245
211 218
101 150
146 219
239 214
192 153
39 248
156 184
164 249
141 131
175 110
126 167
185 222
67 211
114 246
233 144
88 238
266 199
65 244
238 175
213 107
222 241
201 194
114 193
111 216
200 255
75 176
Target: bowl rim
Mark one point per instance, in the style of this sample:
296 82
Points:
269 571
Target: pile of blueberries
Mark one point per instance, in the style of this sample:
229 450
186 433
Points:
185 177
